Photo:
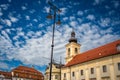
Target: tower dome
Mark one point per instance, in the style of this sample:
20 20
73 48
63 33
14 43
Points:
72 39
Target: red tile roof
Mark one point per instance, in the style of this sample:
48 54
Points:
27 72
100 52
6 74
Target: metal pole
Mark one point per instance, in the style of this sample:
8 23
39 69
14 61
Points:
52 46
60 68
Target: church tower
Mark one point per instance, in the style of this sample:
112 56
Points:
72 48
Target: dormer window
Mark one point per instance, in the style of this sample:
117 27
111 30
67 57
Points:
118 47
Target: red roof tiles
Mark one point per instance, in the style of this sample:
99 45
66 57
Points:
27 72
6 74
103 51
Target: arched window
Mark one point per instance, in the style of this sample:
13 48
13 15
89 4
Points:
76 51
68 51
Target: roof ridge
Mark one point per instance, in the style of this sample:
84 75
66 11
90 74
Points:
102 46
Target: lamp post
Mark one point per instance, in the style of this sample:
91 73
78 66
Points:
56 11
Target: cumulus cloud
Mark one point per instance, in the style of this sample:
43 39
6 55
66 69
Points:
3 65
27 17
94 36
13 19
80 13
104 22
46 9
36 46
64 11
4 6
23 7
91 17
7 22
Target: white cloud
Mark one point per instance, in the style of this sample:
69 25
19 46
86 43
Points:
64 11
65 18
80 13
23 7
96 2
94 36
7 22
46 9
73 23
3 65
9 0
104 22
5 35
91 17
27 17
72 18
32 11
4 6
13 19
40 25
37 48
39 2
35 20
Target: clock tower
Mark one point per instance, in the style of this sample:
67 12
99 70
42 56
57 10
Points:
72 48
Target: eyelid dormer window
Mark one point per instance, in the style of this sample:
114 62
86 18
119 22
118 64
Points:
118 47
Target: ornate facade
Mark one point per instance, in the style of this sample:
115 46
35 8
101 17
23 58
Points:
56 71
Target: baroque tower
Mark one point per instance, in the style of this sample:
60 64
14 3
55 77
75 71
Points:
72 48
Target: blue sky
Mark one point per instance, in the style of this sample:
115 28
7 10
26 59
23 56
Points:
25 33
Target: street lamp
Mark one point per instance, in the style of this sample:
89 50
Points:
56 11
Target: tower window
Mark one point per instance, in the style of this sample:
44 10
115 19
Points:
76 51
64 75
56 76
68 51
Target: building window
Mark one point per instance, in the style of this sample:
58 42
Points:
81 72
64 75
92 70
68 51
56 76
119 66
104 68
76 51
73 74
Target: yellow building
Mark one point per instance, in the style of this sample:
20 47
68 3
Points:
56 71
102 63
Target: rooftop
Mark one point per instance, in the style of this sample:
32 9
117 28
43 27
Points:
100 52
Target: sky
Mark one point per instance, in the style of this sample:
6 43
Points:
26 33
